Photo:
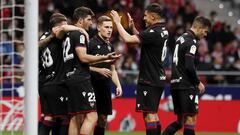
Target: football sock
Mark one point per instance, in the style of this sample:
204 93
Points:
189 130
153 128
172 128
64 126
99 130
56 127
44 127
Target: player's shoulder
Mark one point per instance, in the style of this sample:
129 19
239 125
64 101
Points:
74 33
185 38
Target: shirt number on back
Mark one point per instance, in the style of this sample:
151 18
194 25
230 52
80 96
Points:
164 50
175 55
66 48
47 59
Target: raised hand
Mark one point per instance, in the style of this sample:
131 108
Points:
115 16
130 21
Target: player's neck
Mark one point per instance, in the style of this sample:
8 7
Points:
79 25
194 31
105 39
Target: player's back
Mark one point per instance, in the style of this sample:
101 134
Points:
185 47
153 52
51 62
72 64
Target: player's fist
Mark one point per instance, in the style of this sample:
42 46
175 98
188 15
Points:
119 91
201 88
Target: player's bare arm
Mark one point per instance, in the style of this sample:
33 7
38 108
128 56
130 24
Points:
45 40
116 81
103 71
132 25
86 58
123 33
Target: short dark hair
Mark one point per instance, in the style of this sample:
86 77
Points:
202 22
155 8
56 18
81 13
102 19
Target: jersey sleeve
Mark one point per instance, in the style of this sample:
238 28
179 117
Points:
148 36
191 49
90 46
78 39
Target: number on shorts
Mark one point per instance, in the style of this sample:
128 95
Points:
91 97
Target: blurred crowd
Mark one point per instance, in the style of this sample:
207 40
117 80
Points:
220 51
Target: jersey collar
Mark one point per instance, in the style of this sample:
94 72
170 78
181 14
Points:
191 33
100 40
161 24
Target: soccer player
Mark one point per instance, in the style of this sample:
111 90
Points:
185 85
53 93
103 73
53 96
76 63
153 52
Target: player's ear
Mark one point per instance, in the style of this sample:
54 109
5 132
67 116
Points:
80 21
98 27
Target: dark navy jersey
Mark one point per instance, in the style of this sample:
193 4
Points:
153 52
51 61
72 64
184 62
97 46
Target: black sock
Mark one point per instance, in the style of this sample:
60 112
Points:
56 127
188 130
159 128
64 126
153 128
99 130
172 128
44 127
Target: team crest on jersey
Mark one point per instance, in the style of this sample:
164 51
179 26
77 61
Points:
82 39
193 49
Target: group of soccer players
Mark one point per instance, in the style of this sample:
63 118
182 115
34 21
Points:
73 69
